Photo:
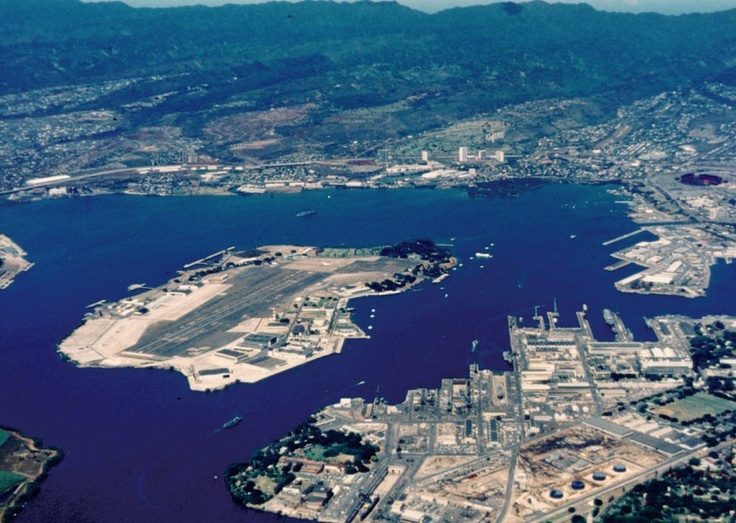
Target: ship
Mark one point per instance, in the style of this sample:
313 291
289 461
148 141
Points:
483 255
608 317
305 213
232 423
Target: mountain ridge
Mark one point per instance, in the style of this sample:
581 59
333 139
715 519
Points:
459 61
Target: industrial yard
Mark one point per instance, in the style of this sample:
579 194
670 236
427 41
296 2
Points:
573 427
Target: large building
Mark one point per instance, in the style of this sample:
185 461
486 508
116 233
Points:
462 154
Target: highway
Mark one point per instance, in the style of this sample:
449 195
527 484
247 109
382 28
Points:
73 179
92 176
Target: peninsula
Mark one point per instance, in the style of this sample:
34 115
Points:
12 261
246 315
24 463
575 425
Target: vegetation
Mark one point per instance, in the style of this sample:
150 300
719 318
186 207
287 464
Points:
424 249
4 436
18 482
399 281
193 65
695 407
9 480
256 481
682 494
707 350
504 188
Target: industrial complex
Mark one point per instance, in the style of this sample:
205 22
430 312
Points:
574 422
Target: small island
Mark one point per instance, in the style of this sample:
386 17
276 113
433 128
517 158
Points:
241 316
24 463
12 261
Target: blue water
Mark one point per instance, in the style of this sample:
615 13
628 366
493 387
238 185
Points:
141 447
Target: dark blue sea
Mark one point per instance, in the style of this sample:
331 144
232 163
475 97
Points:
141 447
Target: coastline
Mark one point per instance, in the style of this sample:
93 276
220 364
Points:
12 261
30 486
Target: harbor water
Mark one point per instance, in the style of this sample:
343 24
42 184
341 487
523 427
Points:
139 446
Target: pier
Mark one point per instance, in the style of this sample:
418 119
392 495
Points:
622 237
584 325
617 325
618 265
207 258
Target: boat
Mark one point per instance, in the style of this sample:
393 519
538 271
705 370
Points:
475 345
483 255
305 213
608 317
232 423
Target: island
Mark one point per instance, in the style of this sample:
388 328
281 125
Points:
24 463
572 428
241 316
12 261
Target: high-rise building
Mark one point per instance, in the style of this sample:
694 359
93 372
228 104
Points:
462 154
500 156
425 156
482 154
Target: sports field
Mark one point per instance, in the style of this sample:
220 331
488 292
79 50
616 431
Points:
696 406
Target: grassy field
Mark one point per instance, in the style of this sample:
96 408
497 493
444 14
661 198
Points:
696 406
9 480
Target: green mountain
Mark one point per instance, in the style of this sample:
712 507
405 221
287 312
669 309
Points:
528 48
196 65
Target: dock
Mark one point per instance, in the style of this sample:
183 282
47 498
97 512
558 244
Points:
618 265
622 237
617 325
207 258
584 325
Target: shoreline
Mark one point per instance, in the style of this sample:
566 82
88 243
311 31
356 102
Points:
27 489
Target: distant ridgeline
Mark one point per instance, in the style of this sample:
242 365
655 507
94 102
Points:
358 54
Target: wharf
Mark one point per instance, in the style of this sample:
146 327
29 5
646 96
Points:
616 323
622 237
618 265
584 325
